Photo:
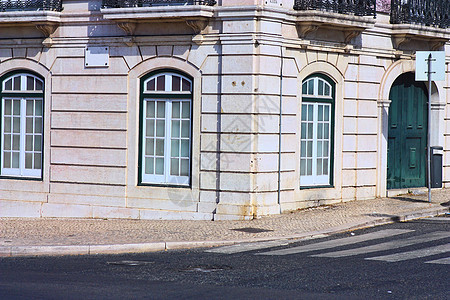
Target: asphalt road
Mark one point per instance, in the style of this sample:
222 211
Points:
399 261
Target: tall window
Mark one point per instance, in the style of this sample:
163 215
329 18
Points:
21 125
166 112
317 126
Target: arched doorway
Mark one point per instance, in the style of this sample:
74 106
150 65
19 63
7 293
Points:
407 134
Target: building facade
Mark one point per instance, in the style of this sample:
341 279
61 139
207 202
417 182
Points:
214 110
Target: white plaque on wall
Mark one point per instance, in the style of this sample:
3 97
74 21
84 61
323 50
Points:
273 2
97 56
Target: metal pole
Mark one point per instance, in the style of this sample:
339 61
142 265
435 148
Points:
429 127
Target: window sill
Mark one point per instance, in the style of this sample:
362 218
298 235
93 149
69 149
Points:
310 187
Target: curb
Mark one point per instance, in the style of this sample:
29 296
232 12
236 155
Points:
15 251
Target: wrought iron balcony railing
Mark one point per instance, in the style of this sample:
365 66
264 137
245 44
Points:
350 7
422 12
147 3
20 5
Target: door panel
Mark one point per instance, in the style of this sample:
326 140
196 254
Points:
407 134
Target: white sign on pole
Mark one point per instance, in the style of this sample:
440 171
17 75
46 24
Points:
437 65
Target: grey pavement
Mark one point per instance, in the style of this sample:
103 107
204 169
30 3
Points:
48 236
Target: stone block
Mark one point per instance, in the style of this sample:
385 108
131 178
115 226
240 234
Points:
236 49
147 51
32 53
97 84
350 108
175 205
208 197
52 210
366 177
370 73
181 51
89 157
367 142
114 213
235 198
238 142
64 66
366 160
92 175
163 50
289 124
91 103
208 142
90 138
237 64
19 209
89 120
290 86
350 90
208 180
23 195
199 53
350 125
270 84
368 91
270 65
69 198
239 26
19 52
365 193
239 182
349 160
113 192
207 207
367 125
349 143
268 182
290 67
237 84
290 106
351 74
169 215
5 53
209 123
235 211
209 103
348 178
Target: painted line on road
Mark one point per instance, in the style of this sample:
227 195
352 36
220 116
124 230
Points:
339 242
442 261
413 254
388 245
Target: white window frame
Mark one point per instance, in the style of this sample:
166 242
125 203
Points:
168 96
21 171
315 100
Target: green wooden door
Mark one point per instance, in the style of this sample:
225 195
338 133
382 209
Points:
407 136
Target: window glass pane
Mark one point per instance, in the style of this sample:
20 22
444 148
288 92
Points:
29 125
325 149
37 161
7 125
161 83
175 148
320 112
17 83
38 107
304 88
149 165
29 143
303 130
7 142
30 107
311 87
310 131
37 142
185 128
150 113
16 109
186 86
310 112
186 110
150 128
320 82
7 160
175 109
160 128
174 167
319 149
159 147
320 131
16 125
30 83
39 86
16 142
28 161
8 104
8 85
327 90
327 112
159 166
175 128
309 149
151 86
184 167
309 167
325 166
303 167
15 160
319 166
38 125
184 148
303 149
176 83
149 146
326 131
304 112
161 109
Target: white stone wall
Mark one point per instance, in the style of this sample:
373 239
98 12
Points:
92 114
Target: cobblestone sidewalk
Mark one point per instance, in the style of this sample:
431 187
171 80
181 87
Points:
22 232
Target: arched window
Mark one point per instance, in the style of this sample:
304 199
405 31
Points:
22 106
317 127
166 111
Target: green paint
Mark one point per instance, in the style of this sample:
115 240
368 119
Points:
407 136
